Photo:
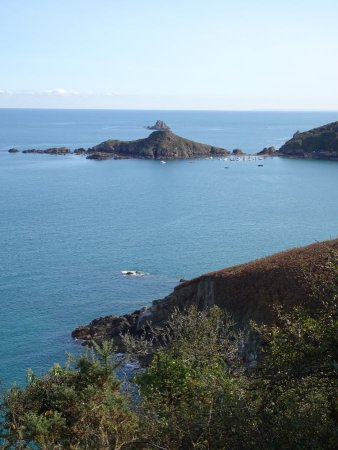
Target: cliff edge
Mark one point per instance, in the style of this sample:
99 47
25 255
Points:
247 291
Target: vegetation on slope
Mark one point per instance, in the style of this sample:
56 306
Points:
249 291
321 142
196 393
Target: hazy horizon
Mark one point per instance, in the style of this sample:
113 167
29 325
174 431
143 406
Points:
180 110
223 55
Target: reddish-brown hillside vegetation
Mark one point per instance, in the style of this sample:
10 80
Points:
247 291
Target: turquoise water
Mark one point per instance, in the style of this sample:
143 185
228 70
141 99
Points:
69 226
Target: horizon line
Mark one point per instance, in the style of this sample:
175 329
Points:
171 109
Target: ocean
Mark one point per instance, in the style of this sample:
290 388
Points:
69 226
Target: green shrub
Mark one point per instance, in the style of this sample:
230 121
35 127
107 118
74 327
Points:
79 406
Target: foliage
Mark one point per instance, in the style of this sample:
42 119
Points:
197 392
78 406
191 398
297 375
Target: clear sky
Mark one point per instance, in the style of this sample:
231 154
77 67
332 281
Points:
172 54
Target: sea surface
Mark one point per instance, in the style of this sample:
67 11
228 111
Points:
69 226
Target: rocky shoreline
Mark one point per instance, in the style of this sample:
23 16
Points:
158 145
318 143
248 292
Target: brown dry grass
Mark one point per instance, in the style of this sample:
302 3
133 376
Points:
251 290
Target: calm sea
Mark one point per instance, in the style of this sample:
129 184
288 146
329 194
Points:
69 226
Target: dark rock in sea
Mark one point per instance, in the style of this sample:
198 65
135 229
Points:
33 150
159 126
248 292
268 151
158 145
100 156
58 151
318 143
238 152
13 150
80 151
49 151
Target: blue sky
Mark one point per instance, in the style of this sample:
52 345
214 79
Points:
187 54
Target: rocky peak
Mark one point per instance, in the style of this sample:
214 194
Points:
238 152
159 126
270 151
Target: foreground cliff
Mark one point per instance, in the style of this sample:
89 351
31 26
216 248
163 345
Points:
247 291
318 143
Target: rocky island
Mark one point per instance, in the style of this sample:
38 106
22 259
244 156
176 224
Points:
238 152
317 143
49 151
158 145
247 291
268 151
159 126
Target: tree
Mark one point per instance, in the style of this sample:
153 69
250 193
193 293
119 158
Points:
193 393
297 374
196 391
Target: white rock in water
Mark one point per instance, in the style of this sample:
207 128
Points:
134 273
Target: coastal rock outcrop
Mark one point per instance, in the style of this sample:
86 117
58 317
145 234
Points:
247 291
49 151
238 152
159 126
158 145
317 143
109 327
268 151
80 151
101 156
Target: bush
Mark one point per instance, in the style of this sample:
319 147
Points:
196 393
79 406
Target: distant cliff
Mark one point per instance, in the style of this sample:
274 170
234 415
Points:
158 145
248 291
318 143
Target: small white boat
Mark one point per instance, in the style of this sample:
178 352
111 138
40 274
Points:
163 162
